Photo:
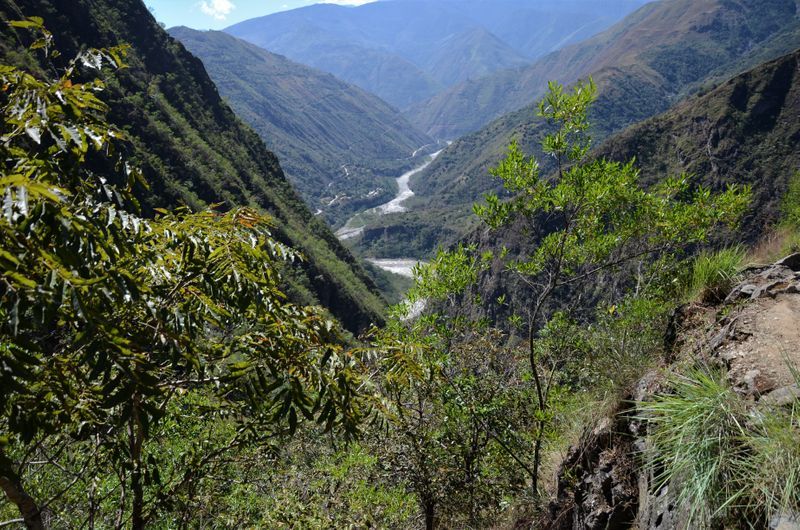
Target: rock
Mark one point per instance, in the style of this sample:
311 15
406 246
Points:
782 397
785 521
792 262
772 281
743 291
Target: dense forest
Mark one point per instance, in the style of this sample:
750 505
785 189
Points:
608 340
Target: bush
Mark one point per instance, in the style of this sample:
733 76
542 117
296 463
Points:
790 208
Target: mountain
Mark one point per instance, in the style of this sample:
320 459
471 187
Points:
192 148
339 145
474 52
745 131
396 49
662 47
634 83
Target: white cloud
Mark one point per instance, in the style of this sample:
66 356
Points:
218 9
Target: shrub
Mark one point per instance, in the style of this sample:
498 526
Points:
791 202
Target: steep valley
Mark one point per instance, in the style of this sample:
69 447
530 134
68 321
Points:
338 144
336 297
624 62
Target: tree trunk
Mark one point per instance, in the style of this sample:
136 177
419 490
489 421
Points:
429 515
12 486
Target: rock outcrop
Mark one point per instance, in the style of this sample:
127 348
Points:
755 335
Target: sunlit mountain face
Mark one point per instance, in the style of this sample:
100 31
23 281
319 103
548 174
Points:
407 50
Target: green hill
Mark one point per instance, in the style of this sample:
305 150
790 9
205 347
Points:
340 146
192 148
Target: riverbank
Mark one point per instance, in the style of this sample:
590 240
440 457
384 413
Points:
354 226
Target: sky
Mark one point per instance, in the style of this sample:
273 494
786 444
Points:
218 14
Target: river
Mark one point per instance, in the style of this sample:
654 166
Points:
354 226
403 267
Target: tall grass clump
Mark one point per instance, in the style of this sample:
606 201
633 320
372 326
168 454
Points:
773 469
696 442
713 274
731 461
771 473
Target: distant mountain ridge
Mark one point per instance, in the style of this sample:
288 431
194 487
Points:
629 91
390 47
666 44
340 146
192 148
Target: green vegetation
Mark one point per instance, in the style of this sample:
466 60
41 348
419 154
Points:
394 286
730 460
791 202
713 274
192 149
642 68
157 369
114 327
599 218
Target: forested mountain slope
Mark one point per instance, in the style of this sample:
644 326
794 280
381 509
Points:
397 49
192 148
746 131
339 145
628 93
656 50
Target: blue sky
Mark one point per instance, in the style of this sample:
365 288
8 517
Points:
218 14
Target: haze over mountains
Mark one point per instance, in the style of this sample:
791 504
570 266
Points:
643 65
406 51
662 47
339 145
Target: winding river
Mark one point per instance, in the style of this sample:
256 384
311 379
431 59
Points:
354 226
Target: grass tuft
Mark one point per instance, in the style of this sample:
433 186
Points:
696 440
732 462
714 273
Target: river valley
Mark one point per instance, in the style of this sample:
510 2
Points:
354 226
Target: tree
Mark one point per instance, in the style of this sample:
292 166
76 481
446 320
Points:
453 397
592 217
107 318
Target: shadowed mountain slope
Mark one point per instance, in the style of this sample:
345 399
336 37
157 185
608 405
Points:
192 148
340 146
